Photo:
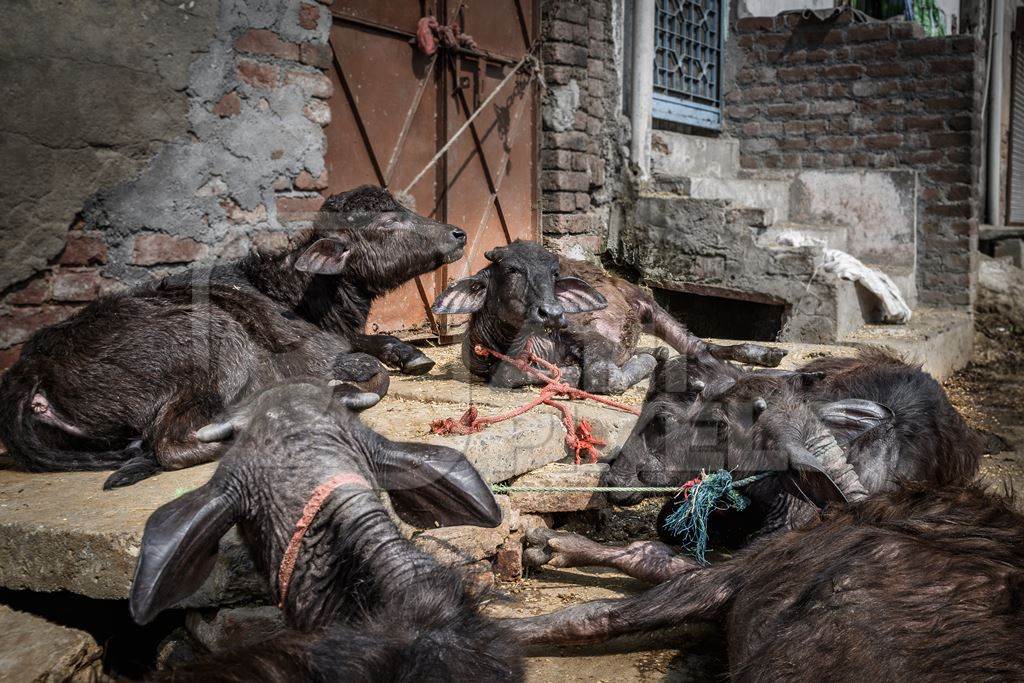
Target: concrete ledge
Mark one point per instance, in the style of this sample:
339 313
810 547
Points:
33 649
940 339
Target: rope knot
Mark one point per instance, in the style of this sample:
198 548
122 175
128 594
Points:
429 31
702 495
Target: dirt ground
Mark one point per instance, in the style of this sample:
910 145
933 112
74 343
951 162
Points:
989 393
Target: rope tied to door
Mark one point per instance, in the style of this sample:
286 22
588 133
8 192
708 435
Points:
430 32
579 438
529 64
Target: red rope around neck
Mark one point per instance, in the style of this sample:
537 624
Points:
579 438
313 505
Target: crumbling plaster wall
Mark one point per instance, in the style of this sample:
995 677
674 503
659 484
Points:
141 136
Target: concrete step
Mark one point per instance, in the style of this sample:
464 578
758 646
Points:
676 154
34 649
771 195
940 339
831 236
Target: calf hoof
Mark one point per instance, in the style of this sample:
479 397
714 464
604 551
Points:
418 365
558 549
773 356
133 471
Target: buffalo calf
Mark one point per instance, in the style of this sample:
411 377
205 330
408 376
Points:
361 602
125 382
916 584
575 316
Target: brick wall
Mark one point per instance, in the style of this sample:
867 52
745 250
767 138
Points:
581 124
247 170
875 95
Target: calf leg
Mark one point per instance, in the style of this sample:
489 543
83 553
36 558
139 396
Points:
394 353
173 439
602 376
696 595
751 354
648 561
141 464
362 371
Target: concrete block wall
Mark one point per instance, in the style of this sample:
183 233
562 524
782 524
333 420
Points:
582 127
238 90
877 96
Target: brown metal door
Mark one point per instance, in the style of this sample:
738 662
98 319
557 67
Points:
394 108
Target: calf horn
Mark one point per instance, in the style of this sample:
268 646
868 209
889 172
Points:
823 445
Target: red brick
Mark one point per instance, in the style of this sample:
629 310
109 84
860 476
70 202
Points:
271 241
313 83
80 286
752 24
257 74
924 123
907 29
955 210
316 55
571 140
18 324
227 106
32 293
833 143
940 140
508 561
84 249
889 141
291 209
950 175
306 181
570 223
263 42
843 71
574 14
318 112
559 202
925 46
961 103
864 32
564 53
886 70
149 250
309 15
951 66
9 357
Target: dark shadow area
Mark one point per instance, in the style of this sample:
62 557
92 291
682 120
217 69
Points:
723 318
129 650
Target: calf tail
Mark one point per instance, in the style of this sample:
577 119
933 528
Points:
700 595
24 434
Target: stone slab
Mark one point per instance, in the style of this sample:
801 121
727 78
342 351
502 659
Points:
559 475
34 650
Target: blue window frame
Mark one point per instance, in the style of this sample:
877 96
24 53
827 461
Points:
688 62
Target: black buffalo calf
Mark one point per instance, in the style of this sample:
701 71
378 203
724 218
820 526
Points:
125 382
362 603
916 584
575 315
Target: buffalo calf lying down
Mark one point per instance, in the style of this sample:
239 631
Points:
578 317
126 381
915 584
832 431
363 602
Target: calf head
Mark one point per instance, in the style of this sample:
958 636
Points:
288 441
376 242
521 289
746 422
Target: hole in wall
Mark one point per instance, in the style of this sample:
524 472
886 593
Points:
723 317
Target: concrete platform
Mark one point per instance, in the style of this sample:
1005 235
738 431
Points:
60 531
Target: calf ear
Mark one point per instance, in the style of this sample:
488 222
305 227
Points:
577 296
852 417
807 479
326 256
463 296
435 486
179 547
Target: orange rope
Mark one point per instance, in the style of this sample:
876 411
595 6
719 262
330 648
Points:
579 439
